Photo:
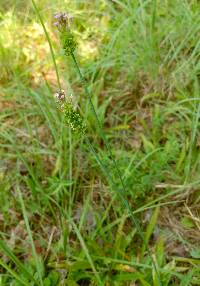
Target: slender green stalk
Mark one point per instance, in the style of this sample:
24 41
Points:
13 273
154 15
70 169
86 251
122 193
98 121
49 42
127 206
30 236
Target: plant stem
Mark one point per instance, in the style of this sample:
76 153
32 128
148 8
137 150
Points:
49 42
98 122
122 193
153 16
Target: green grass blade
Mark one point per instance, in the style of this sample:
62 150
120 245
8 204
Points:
150 228
87 254
38 265
6 250
13 273
49 42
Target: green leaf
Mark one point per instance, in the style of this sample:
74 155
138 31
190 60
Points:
195 253
160 252
47 281
13 273
150 229
187 278
70 282
148 146
6 250
187 222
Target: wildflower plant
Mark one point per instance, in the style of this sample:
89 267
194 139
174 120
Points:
63 24
72 117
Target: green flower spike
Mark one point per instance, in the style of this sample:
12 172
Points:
63 21
72 117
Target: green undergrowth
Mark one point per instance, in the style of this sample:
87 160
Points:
60 222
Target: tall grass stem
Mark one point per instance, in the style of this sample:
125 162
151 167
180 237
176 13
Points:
122 194
49 42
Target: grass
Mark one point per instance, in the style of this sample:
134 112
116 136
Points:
60 221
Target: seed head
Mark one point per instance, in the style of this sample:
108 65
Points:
72 117
63 21
60 96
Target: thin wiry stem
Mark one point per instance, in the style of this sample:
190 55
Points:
153 21
98 122
49 42
121 192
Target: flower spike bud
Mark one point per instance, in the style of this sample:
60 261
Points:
72 117
60 95
63 21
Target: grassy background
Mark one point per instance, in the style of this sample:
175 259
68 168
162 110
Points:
60 223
